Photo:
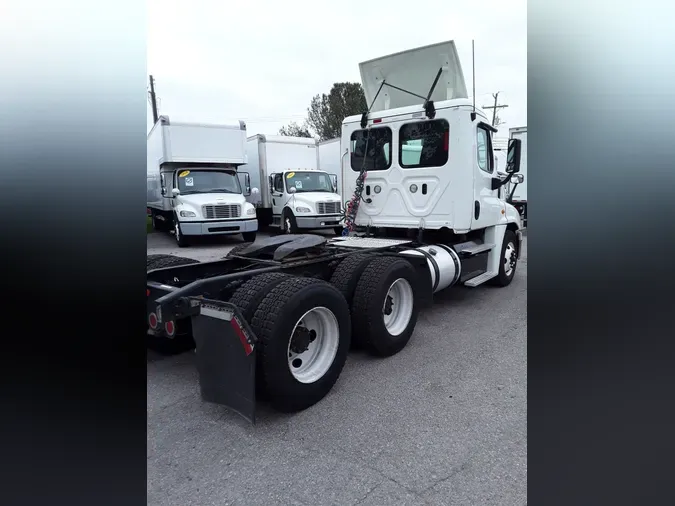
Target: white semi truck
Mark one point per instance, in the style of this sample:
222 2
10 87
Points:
277 318
193 185
295 194
518 192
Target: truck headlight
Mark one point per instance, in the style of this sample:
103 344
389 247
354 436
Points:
187 214
250 211
303 210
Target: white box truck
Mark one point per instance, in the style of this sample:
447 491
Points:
194 188
518 192
294 193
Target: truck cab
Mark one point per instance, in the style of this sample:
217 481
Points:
209 200
426 167
305 199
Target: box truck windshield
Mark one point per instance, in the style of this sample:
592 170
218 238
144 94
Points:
207 181
304 182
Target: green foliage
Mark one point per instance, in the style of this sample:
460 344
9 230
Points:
295 130
326 112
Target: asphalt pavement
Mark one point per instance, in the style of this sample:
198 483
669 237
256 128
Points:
441 423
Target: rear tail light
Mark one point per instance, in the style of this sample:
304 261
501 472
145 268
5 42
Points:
446 141
377 120
170 328
152 321
147 292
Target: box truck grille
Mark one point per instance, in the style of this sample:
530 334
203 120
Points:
222 212
329 207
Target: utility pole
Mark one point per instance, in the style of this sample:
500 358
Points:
494 108
153 100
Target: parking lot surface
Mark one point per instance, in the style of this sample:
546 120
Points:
441 423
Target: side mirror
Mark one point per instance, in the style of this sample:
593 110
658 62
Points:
255 191
517 178
292 190
334 181
513 156
175 192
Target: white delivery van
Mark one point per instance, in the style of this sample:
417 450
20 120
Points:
194 188
294 194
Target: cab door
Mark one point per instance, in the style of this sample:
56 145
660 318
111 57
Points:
277 191
487 206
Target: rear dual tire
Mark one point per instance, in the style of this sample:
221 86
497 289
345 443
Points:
381 293
304 331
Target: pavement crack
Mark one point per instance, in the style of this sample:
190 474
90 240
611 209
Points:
359 501
453 472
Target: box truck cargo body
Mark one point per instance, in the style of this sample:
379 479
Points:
330 160
193 186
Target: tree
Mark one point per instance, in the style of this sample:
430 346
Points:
326 112
295 130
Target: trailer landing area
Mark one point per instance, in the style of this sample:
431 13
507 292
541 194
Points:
442 422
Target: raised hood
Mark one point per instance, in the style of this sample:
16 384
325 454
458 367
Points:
414 70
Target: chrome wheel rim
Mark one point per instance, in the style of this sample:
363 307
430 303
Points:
509 258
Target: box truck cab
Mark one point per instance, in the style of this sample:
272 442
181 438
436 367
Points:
194 188
305 199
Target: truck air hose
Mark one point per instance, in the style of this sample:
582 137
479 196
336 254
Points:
352 207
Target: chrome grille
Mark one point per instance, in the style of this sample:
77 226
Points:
223 211
328 207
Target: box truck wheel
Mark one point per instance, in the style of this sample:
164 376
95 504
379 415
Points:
289 225
385 308
509 260
304 331
157 224
181 240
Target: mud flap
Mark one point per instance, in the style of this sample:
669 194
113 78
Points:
225 355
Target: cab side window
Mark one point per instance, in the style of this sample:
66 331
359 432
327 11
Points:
484 150
278 183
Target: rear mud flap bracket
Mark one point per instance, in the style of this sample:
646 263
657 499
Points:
225 349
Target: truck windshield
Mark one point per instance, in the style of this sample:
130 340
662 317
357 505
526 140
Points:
207 181
309 182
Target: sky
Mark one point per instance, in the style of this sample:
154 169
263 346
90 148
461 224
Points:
262 62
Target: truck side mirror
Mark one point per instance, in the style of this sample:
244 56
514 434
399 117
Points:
513 156
517 178
292 190
334 181
175 192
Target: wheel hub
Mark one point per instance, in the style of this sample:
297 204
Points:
301 339
313 345
388 305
